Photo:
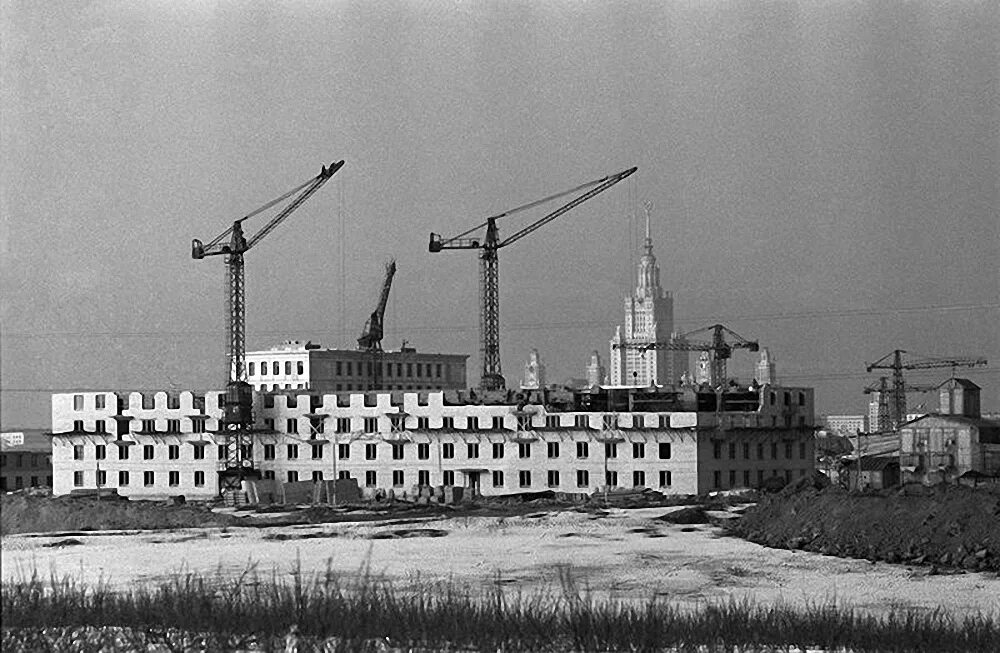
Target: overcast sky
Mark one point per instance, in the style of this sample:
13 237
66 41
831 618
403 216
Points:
825 179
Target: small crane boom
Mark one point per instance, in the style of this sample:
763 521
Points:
718 348
490 243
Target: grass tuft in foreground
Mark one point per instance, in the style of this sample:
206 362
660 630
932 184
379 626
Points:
333 613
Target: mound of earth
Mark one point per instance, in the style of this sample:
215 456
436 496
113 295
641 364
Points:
689 515
949 526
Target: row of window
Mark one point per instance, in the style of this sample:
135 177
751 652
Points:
300 368
19 482
198 425
148 478
717 450
22 460
735 481
472 450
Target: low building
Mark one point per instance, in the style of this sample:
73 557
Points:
877 473
295 365
159 444
944 446
25 460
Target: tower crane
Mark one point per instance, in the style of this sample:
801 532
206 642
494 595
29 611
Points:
882 389
897 395
718 349
490 244
237 419
371 337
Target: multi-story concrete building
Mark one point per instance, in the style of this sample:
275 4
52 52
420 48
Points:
25 460
649 317
295 365
534 372
157 445
943 446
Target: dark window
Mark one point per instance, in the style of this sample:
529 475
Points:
774 450
343 425
552 448
732 478
173 426
293 477
473 449
524 478
100 426
638 450
123 453
370 478
77 402
397 477
147 452
317 475
78 426
173 452
746 478
198 424
732 450
760 451
397 451
664 451
448 423
316 450
498 449
610 450
199 452
423 423
423 451
448 451
199 479
300 367
174 478
293 451
716 479
423 477
268 452
497 479
472 423
582 449
344 451
251 369
497 422
148 478
370 451
581 421
99 401
371 425
582 478
524 450
552 478
77 479
291 425
122 478
638 479
552 421
100 452
802 450
716 450
611 479
746 451
449 477
665 478
788 451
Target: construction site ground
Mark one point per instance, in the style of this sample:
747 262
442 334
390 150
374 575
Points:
628 554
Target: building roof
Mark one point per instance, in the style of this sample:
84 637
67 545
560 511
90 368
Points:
964 383
873 463
979 422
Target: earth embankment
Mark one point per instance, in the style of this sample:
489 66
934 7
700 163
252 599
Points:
948 527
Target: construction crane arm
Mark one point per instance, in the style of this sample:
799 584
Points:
371 337
604 184
228 243
462 241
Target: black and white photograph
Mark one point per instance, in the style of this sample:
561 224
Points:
500 325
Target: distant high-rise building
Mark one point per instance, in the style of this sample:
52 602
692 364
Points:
878 413
595 370
534 372
703 369
649 317
765 368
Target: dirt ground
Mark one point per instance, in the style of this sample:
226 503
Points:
626 554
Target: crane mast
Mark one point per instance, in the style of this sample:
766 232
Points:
489 278
897 396
237 420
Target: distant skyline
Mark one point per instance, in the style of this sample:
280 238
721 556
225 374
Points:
825 179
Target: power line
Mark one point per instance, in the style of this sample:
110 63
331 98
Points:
532 326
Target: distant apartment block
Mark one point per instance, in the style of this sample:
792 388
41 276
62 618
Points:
25 460
846 424
296 365
158 444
